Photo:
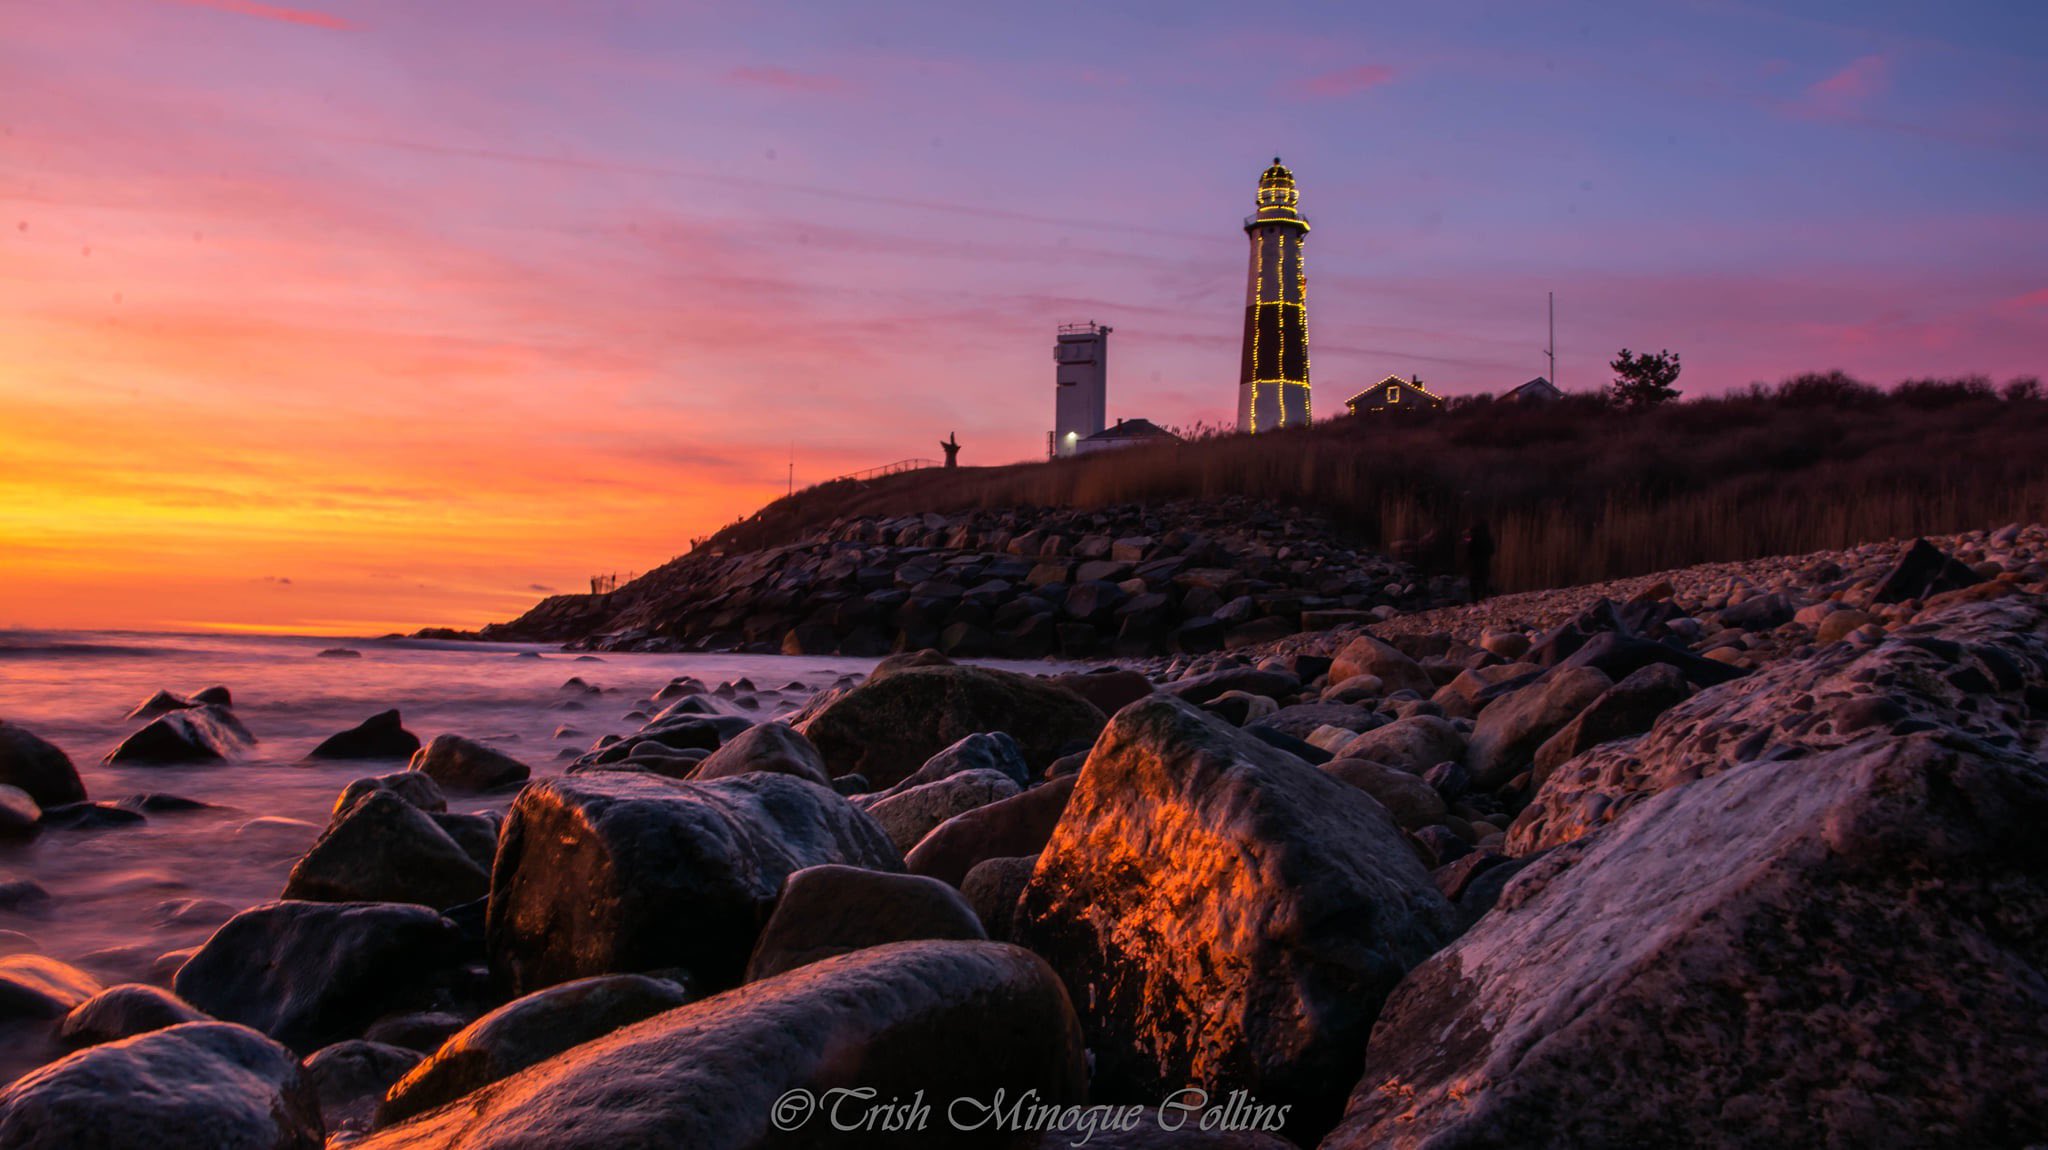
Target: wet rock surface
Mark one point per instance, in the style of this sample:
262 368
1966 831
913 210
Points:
1225 915
897 1019
616 872
830 910
200 1086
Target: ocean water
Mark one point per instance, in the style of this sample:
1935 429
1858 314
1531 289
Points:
122 898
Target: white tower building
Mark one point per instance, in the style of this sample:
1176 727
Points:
1081 391
1272 385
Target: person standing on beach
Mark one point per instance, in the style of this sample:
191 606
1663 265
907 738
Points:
1479 561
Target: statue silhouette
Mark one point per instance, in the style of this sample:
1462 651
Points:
951 446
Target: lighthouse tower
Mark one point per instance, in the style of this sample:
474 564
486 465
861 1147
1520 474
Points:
1272 387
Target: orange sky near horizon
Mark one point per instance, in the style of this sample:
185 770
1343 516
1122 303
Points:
355 316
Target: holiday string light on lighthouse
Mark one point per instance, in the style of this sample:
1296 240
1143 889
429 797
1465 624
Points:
1272 387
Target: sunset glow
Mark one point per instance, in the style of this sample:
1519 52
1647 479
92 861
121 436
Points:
352 316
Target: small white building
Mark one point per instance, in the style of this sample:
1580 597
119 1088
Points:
1126 433
1081 385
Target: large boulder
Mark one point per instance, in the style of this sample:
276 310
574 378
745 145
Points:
983 751
1413 744
1628 708
736 1071
829 910
1366 655
888 726
384 849
38 767
1512 727
525 1032
765 747
196 735
1838 951
312 973
351 1078
1109 688
620 872
906 816
461 764
199 1086
1977 669
1018 825
125 1011
1923 571
1413 803
1225 916
381 736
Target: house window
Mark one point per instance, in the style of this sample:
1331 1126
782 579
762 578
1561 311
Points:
1393 395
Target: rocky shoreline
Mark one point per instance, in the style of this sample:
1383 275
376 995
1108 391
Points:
1744 855
1185 576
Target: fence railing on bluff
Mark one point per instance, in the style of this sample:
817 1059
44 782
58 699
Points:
885 469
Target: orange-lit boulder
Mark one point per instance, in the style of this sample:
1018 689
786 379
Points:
890 725
950 1019
619 872
1225 916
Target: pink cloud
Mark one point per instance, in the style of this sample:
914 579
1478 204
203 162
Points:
785 80
276 12
2027 302
1348 81
1847 91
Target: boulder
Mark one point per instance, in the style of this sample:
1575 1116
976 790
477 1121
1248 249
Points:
1922 572
1826 952
461 764
312 973
1512 727
33 986
1018 825
1627 708
1366 655
196 735
617 872
476 834
415 787
906 816
1303 720
1413 803
384 849
1976 669
161 703
764 747
1110 689
525 1032
983 751
831 910
888 726
1413 745
896 1019
1225 916
1200 689
350 1079
37 767
199 1086
991 888
125 1011
381 736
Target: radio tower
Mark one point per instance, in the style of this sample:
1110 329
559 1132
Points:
1272 386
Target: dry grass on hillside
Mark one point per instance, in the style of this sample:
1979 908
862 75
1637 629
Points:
1575 491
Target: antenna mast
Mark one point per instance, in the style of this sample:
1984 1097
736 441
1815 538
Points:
1550 352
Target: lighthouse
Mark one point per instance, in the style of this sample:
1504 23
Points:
1272 387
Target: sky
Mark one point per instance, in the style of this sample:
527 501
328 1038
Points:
353 316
